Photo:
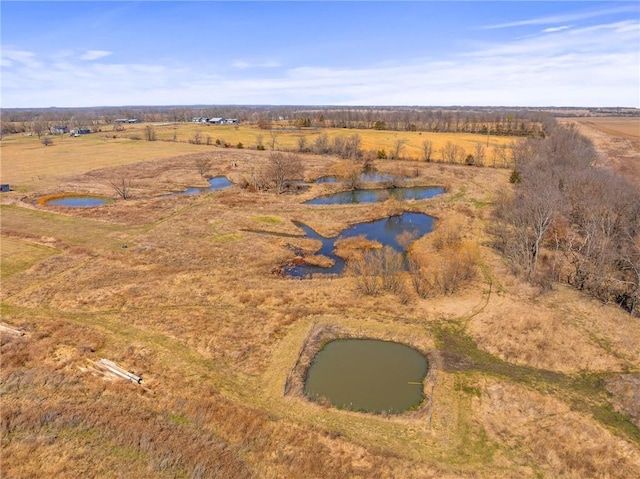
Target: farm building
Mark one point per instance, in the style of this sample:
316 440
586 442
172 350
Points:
79 131
59 130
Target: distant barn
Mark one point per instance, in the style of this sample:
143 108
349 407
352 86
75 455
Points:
80 131
59 130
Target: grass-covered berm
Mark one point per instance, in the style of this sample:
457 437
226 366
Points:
181 291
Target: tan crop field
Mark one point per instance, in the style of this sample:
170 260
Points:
617 139
184 292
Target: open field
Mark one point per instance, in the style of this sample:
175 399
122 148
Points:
523 383
28 164
617 139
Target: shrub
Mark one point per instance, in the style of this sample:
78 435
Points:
515 177
377 270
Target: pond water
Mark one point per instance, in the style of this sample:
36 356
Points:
78 201
215 183
377 195
367 176
386 231
367 375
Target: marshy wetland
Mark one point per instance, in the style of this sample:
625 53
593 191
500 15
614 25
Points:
520 382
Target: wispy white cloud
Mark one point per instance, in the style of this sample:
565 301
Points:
567 17
555 29
590 66
11 57
95 54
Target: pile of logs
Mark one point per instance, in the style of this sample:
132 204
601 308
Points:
118 371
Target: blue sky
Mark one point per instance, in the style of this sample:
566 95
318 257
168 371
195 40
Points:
75 54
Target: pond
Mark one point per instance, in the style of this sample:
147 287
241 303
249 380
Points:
215 183
367 177
377 195
387 231
367 375
78 201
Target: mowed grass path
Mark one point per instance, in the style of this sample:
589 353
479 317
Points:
28 164
18 255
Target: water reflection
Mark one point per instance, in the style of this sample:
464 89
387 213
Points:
377 195
391 231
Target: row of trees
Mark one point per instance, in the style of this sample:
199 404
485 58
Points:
496 121
569 219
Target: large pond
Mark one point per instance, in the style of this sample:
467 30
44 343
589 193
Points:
391 231
367 375
78 201
377 195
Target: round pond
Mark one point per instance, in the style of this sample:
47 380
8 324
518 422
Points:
367 375
78 201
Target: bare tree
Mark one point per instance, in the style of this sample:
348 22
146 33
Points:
353 147
427 150
302 144
450 152
197 138
274 138
500 156
283 167
203 166
377 270
259 143
479 155
397 148
321 144
350 173
150 133
122 187
39 127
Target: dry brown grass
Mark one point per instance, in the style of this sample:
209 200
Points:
191 305
617 140
27 164
560 442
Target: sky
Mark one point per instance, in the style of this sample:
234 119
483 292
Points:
427 53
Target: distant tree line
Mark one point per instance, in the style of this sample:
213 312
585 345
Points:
519 122
490 121
569 219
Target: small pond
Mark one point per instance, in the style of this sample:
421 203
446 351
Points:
215 183
377 195
367 375
78 201
387 231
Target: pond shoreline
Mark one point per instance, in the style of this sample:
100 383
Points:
321 334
